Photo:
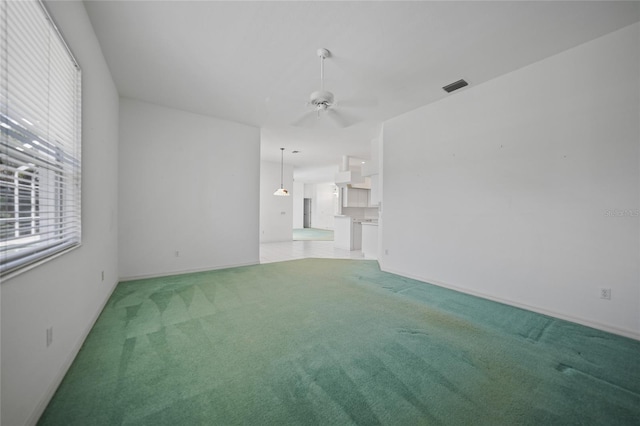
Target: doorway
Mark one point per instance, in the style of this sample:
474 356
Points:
306 215
308 232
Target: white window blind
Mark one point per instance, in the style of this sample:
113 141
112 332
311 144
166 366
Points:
40 123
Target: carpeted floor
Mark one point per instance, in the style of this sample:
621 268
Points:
322 341
312 234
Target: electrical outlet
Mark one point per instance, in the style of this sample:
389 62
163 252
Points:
102 275
177 253
386 251
605 293
49 336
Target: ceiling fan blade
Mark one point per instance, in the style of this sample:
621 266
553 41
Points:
341 119
306 120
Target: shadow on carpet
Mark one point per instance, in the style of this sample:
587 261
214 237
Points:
322 341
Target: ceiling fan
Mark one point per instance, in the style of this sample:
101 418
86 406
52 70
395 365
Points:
323 102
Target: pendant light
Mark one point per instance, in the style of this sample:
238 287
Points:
281 191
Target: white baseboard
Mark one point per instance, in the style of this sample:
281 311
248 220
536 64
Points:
186 271
582 321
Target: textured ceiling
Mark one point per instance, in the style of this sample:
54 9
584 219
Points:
256 63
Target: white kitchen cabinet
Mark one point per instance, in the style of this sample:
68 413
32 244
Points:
355 197
347 233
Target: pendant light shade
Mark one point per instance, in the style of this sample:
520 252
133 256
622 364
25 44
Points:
281 191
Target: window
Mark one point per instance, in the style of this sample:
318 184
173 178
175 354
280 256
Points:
39 140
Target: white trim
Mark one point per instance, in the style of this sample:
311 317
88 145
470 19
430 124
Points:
32 420
185 271
37 263
593 324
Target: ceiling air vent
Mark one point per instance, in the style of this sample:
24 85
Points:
455 86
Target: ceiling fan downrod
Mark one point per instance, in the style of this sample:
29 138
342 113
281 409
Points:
322 99
322 53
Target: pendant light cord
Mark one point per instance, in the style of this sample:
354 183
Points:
281 168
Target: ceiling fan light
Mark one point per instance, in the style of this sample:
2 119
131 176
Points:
321 97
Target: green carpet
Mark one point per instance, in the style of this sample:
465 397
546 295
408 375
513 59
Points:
322 341
312 234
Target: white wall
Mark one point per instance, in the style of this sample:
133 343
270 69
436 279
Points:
188 184
276 213
309 190
66 293
298 205
504 189
323 205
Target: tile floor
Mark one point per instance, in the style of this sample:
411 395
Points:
290 250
